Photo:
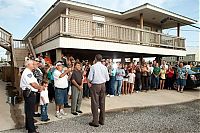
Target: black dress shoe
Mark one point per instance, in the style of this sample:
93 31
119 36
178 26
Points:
46 120
74 113
92 124
37 115
67 106
79 111
101 123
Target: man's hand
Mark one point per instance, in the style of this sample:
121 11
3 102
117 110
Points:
80 88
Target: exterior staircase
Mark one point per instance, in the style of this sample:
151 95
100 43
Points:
18 50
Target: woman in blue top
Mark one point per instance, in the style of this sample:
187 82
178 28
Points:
182 77
120 73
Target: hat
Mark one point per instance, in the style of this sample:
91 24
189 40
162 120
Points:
36 59
59 64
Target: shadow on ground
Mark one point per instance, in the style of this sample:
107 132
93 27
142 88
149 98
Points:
14 100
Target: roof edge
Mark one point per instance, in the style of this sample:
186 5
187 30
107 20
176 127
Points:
146 5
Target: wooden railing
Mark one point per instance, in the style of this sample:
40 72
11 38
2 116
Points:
77 27
20 44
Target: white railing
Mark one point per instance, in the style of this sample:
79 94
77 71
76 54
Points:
19 44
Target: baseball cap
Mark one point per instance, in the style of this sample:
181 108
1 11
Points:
59 63
36 59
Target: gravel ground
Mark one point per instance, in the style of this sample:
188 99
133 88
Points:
179 118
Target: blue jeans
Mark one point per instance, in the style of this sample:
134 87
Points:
44 115
112 85
118 87
156 82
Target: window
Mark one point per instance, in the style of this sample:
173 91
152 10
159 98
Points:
100 25
98 18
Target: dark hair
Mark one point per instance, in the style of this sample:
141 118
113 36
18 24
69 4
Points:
98 57
77 62
44 81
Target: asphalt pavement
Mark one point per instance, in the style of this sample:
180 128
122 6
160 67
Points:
176 118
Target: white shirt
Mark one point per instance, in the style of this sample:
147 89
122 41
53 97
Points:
98 73
26 79
150 69
45 96
60 82
131 77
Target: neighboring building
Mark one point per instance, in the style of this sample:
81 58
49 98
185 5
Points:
189 58
82 30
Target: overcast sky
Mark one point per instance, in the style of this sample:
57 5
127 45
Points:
19 16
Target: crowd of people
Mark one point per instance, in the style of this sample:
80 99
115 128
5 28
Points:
70 78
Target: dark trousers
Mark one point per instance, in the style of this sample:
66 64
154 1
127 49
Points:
51 91
86 90
66 98
138 84
29 112
98 101
111 89
145 85
170 82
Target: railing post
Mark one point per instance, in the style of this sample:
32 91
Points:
66 24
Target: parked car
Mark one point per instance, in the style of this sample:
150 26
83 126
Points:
193 80
196 69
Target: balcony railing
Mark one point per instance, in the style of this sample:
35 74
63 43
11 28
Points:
20 44
5 39
77 27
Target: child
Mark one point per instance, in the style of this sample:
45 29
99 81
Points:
131 81
44 100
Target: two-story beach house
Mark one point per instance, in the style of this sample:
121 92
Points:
82 30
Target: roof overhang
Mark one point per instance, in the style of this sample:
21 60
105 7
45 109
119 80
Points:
151 14
158 16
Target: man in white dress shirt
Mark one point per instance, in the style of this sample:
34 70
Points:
98 76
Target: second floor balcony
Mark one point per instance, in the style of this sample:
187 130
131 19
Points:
69 26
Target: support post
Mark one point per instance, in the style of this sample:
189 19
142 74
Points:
178 29
123 60
58 54
141 27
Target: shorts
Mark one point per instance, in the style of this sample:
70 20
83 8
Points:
60 96
181 82
125 79
162 79
37 99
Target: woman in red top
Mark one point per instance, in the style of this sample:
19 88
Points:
170 76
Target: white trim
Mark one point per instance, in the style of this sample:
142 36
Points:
90 7
63 42
48 46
